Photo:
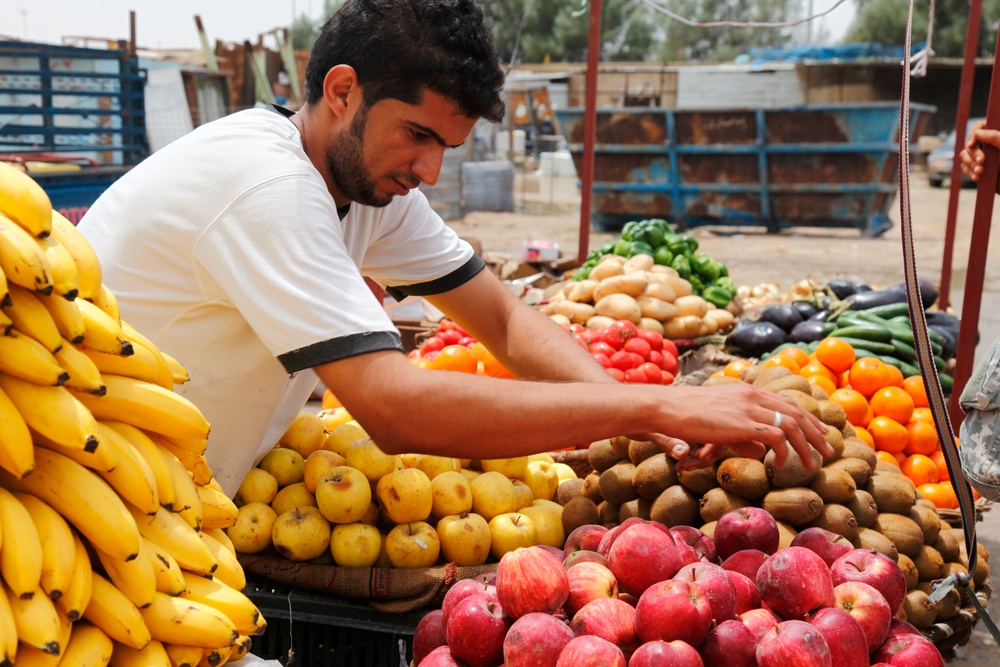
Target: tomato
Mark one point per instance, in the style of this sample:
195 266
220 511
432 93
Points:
576 328
616 374
602 348
669 363
635 375
656 357
668 377
450 336
432 344
467 341
612 337
638 346
627 328
582 340
652 371
602 359
654 339
636 358
670 346
622 360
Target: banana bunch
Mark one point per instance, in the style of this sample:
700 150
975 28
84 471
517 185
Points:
115 549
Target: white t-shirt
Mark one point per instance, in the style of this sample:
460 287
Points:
226 249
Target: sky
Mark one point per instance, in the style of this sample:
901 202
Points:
170 23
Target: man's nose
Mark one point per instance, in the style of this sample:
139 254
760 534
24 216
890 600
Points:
427 165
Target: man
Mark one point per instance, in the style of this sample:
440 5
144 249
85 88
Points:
241 249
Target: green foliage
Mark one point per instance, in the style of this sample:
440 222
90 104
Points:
884 21
305 29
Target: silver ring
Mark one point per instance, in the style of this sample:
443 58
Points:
777 419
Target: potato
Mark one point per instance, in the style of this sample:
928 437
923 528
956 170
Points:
722 317
599 322
632 284
640 262
680 286
650 324
659 290
561 320
576 312
692 305
655 308
606 267
684 326
665 270
582 292
619 307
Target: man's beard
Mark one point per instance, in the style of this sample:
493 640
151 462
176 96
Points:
345 159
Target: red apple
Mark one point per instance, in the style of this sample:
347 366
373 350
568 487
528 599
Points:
641 556
794 582
794 644
555 551
829 545
747 595
900 627
746 562
462 588
713 582
476 630
610 619
906 650
869 609
428 635
730 643
745 528
874 569
666 654
697 540
439 657
535 640
589 581
847 641
584 556
759 621
671 610
604 546
531 579
585 537
590 651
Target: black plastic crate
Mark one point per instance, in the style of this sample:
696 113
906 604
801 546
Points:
326 631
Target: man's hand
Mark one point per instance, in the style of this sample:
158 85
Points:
972 156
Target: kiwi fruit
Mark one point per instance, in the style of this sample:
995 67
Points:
832 413
870 539
982 571
676 506
577 512
837 519
793 381
948 606
717 502
892 493
796 506
620 444
947 546
930 564
902 530
616 483
833 438
818 392
857 448
640 450
745 477
804 399
719 379
856 468
592 488
750 373
928 520
699 481
834 485
636 507
910 574
848 431
863 506
609 513
786 534
709 529
793 473
767 375
601 455
886 468
654 475
924 502
920 611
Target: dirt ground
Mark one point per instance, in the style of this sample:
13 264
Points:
755 257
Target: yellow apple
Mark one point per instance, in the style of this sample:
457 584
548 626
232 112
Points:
252 531
301 534
464 463
465 538
470 474
564 471
318 464
410 459
435 465
511 467
413 544
509 531
285 465
259 486
371 516
542 478
355 544
405 495
450 494
525 496
541 456
383 555
334 417
305 434
369 459
343 436
492 494
548 523
343 495
292 496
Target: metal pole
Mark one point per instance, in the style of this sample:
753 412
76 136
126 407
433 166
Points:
589 127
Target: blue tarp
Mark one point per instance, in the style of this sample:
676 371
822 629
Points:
841 52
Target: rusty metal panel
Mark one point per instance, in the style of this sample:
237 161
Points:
644 128
634 203
718 168
800 168
715 205
716 127
803 207
804 127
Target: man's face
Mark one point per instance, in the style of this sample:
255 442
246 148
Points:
391 147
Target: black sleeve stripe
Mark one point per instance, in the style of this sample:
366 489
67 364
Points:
459 276
335 349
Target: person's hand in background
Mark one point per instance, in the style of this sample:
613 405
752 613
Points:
972 156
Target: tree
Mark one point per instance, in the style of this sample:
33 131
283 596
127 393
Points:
884 21
305 29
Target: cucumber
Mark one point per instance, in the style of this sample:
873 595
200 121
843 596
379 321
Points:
905 334
865 316
909 369
946 382
877 348
904 350
864 331
890 310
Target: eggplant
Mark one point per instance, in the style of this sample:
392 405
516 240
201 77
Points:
784 315
806 309
755 339
949 340
894 294
820 315
808 331
943 319
841 288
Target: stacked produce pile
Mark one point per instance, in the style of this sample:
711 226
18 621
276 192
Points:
113 549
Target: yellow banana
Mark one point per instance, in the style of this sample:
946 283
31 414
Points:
83 373
147 406
154 654
103 332
99 458
65 277
87 264
229 570
177 371
25 201
184 656
52 411
66 315
21 552
114 613
191 445
222 538
76 596
135 578
4 292
17 455
194 463
132 478
230 601
175 620
108 302
187 500
217 510
154 458
89 646
240 648
169 576
6 324
213 657
56 539
23 357
84 499
22 259
28 656
140 365
36 620
8 631
174 534
164 376
30 317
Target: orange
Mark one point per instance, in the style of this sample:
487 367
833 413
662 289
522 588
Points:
835 353
914 386
940 493
900 457
923 438
920 469
895 376
869 416
827 385
862 434
887 457
844 379
854 404
816 368
479 350
455 358
421 362
734 367
922 415
869 374
942 465
329 401
892 402
889 435
779 360
494 368
796 354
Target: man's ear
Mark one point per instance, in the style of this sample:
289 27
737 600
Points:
340 89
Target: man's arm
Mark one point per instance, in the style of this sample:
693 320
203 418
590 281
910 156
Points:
972 156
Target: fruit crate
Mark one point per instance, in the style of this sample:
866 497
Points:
327 631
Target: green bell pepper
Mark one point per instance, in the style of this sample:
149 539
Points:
682 266
663 256
717 296
640 248
704 266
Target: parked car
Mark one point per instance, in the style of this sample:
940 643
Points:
939 160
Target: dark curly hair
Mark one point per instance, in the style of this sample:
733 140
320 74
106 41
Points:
399 48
